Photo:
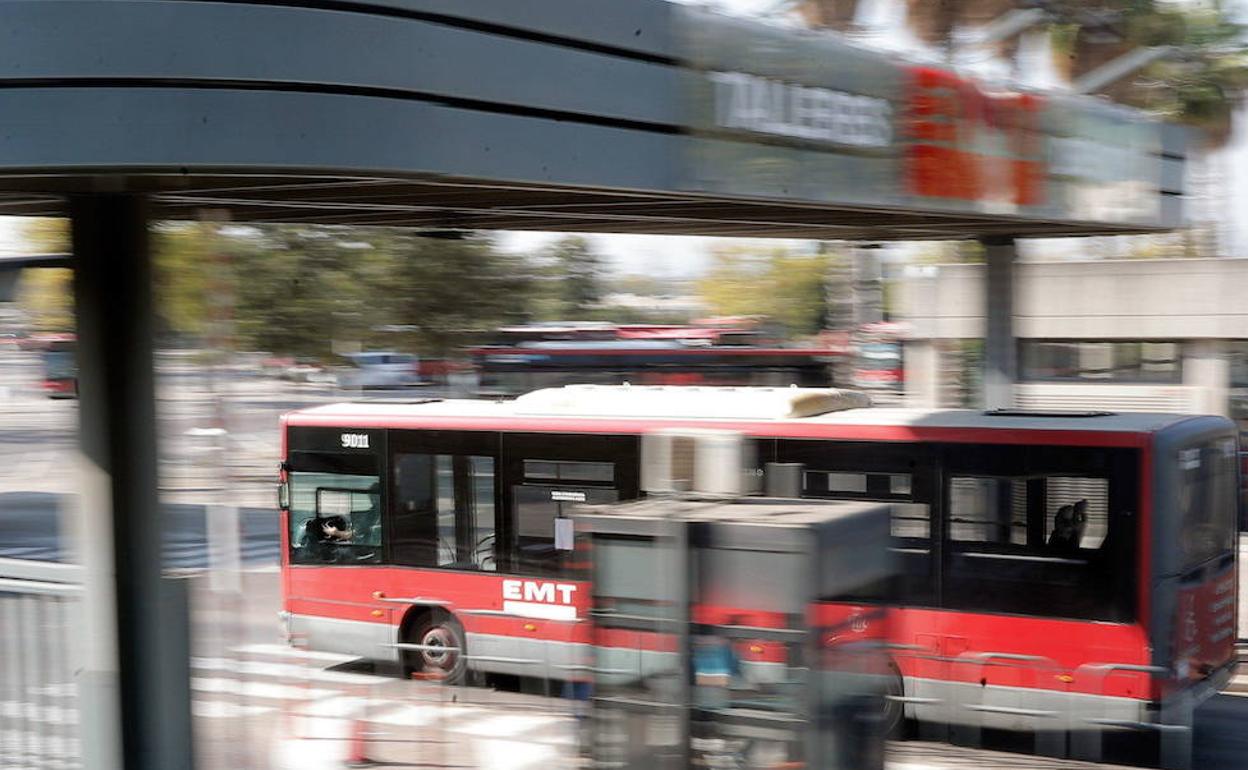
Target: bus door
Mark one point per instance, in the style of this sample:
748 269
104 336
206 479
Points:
907 476
443 508
543 536
546 477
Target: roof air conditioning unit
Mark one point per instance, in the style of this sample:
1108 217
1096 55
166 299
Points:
714 463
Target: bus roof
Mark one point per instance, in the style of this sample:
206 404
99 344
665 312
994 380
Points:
529 414
644 347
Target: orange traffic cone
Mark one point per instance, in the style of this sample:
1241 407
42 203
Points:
357 745
357 742
290 723
290 704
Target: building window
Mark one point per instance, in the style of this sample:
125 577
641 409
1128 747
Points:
1101 361
1237 362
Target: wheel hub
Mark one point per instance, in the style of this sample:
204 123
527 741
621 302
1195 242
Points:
438 658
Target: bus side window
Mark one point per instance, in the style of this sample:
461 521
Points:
1032 543
481 511
417 509
443 511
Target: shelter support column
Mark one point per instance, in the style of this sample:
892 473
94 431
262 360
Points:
135 678
921 359
868 285
1207 372
1000 348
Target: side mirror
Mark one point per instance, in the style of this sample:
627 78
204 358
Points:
283 495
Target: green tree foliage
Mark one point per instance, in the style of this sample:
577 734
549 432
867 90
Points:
787 287
647 285
1198 84
797 285
307 291
297 293
183 274
190 266
46 295
732 285
46 235
571 279
452 291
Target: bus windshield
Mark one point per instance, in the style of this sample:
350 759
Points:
335 509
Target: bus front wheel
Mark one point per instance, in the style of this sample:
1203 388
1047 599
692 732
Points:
440 649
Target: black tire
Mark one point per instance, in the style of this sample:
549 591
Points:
436 630
894 717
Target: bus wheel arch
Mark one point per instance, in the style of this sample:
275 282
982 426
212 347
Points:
433 627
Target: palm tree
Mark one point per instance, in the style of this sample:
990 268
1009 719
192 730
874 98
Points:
1198 83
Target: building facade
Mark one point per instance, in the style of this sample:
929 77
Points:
1146 335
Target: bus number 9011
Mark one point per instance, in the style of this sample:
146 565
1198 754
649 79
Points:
355 441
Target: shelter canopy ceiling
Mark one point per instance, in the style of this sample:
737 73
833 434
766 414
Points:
575 115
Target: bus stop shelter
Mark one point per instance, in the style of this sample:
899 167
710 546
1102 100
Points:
559 115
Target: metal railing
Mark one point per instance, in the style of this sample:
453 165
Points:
39 610
1070 712
1079 704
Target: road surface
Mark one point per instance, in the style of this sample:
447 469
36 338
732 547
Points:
258 703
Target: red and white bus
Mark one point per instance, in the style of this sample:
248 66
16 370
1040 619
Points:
513 370
1049 563
878 357
60 366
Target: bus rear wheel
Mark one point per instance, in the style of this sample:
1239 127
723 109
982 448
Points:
894 716
441 653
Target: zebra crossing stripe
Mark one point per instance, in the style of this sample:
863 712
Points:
336 707
292 672
283 651
31 711
508 725
259 690
215 709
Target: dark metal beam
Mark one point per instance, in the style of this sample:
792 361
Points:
1000 353
140 655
